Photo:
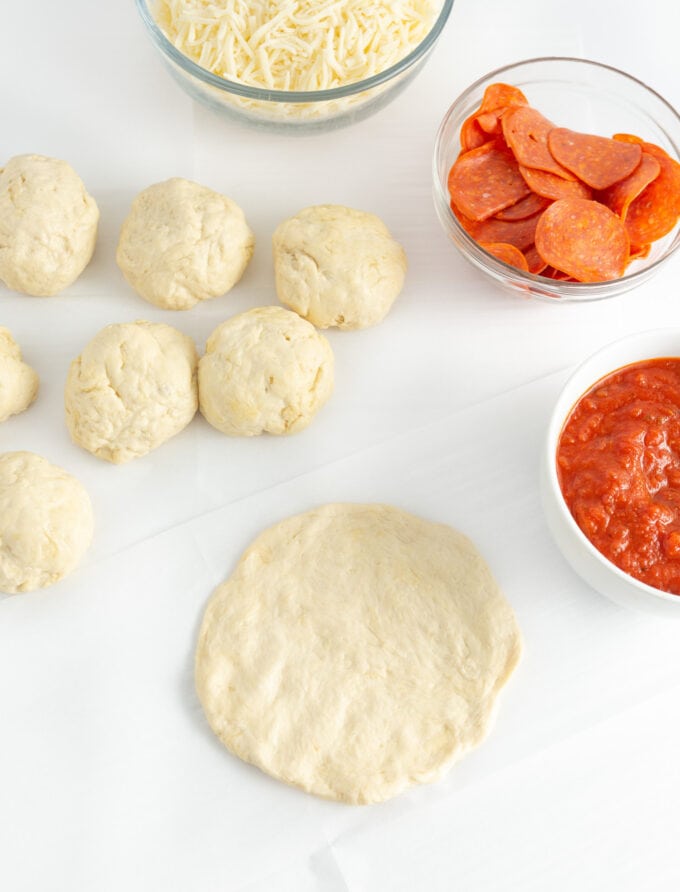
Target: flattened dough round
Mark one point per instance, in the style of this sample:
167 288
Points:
337 266
48 225
132 388
183 243
355 650
45 522
265 370
18 381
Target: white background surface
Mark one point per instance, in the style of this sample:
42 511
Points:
109 777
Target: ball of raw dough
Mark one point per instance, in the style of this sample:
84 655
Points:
337 266
265 370
183 243
48 225
355 650
131 389
18 381
46 522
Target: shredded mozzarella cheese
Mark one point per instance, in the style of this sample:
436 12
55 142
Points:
296 44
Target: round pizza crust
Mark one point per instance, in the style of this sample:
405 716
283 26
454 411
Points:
355 650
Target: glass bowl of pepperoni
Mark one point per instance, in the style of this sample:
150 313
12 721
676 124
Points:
294 67
610 471
560 178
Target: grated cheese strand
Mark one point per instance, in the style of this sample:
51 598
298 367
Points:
296 44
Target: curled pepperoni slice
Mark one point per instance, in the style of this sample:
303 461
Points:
639 252
656 209
526 133
507 253
519 233
471 134
490 123
596 160
583 239
619 196
534 260
549 186
627 137
500 96
486 180
479 129
525 207
485 122
652 149
551 273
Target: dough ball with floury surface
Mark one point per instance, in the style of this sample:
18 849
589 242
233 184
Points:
18 381
46 522
183 243
131 389
48 225
264 371
336 266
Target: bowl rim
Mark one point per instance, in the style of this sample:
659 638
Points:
551 286
558 419
294 96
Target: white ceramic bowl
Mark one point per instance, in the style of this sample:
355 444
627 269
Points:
584 558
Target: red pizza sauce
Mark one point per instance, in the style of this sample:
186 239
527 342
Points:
618 463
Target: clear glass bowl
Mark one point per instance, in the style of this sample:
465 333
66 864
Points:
584 96
288 110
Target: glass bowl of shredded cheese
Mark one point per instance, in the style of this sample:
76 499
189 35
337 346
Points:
294 64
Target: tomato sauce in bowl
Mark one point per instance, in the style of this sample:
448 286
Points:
618 465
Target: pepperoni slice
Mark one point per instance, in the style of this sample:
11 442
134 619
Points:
507 253
519 233
534 260
627 137
471 134
490 123
479 129
526 133
525 207
583 239
549 186
551 273
486 180
500 96
476 128
639 252
656 209
619 196
596 160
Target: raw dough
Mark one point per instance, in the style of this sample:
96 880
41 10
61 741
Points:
45 522
337 266
355 650
18 381
264 370
132 388
183 243
48 225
